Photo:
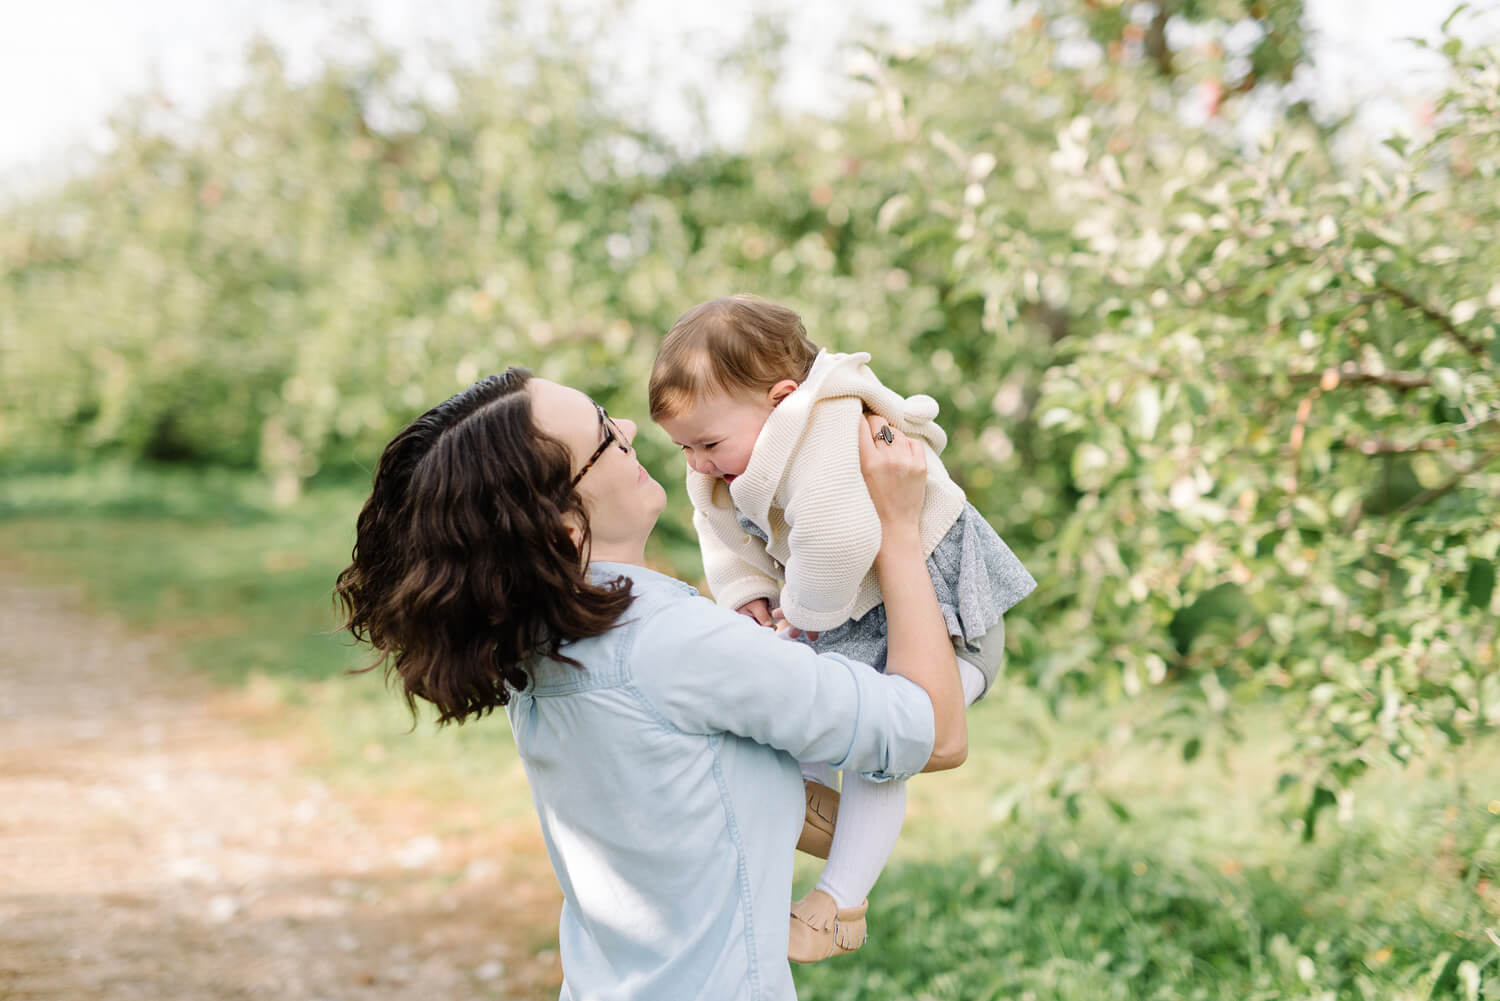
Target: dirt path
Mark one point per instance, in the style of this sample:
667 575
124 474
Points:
152 848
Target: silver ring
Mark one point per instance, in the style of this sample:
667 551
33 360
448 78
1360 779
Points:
886 435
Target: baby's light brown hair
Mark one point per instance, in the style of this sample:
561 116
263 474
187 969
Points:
737 344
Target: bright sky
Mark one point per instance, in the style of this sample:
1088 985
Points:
65 64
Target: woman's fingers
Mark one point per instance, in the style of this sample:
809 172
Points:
894 467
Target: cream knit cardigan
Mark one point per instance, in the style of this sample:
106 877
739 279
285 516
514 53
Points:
803 488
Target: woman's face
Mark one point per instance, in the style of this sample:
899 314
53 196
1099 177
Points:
622 500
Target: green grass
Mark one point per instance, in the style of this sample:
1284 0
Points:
1205 892
244 590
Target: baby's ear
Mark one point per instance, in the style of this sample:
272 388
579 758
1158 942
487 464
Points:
780 391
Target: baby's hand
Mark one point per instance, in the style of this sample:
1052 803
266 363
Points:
783 626
759 610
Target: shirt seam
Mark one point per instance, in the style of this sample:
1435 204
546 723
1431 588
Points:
618 675
742 872
647 703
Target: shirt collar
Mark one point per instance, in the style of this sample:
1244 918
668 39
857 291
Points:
601 571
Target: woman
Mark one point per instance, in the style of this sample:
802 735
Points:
499 562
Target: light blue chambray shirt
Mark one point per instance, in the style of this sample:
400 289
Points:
666 781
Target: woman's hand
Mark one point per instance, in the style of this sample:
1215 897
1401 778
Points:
895 471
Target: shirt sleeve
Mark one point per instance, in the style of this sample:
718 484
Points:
834 529
707 670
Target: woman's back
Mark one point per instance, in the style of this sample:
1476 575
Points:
665 778
673 848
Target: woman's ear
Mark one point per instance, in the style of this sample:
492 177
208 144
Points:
573 525
780 391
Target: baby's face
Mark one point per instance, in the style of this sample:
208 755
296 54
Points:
717 433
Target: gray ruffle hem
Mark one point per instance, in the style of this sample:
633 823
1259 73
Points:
977 579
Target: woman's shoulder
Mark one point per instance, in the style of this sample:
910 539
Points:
669 615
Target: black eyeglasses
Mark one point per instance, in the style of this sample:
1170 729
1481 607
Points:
612 433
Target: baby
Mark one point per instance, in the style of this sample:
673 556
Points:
769 426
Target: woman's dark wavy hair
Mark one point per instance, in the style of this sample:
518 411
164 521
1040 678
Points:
463 568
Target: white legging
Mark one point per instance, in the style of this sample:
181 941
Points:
870 817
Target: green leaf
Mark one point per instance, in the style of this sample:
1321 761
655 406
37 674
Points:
1007 805
1192 748
1450 730
1090 466
1442 970
1448 21
1480 584
1322 798
1117 808
1449 383
1055 416
1428 470
1468 975
1145 411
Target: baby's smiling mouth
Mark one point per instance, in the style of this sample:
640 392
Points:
729 477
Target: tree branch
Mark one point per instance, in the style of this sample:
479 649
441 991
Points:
1299 430
1428 496
1442 320
1155 40
1379 446
1350 372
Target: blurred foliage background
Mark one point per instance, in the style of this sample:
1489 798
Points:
1234 402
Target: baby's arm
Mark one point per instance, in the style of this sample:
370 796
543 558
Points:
737 575
835 531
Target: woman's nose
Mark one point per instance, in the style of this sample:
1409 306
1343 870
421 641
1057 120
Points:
628 426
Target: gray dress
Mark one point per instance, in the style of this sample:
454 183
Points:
977 579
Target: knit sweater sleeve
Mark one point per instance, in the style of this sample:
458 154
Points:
834 530
735 574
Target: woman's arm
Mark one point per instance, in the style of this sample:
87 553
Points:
707 670
918 644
